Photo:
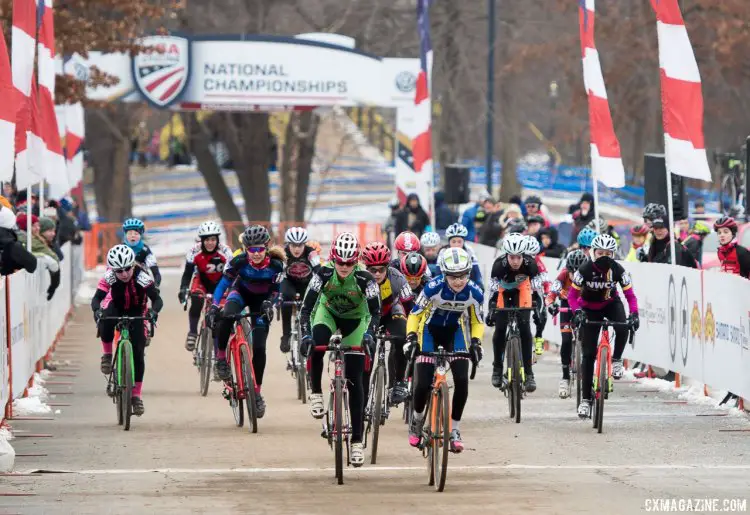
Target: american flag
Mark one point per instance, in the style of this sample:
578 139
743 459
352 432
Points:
422 143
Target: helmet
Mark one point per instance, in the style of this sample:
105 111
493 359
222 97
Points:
413 265
296 235
208 228
407 242
456 230
700 228
120 257
315 246
376 254
601 222
535 219
533 199
726 221
604 242
515 244
652 211
345 249
574 260
517 226
133 224
640 230
586 236
456 261
255 235
430 239
532 246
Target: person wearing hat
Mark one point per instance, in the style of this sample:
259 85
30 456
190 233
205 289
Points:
13 254
40 248
583 215
48 231
660 249
470 214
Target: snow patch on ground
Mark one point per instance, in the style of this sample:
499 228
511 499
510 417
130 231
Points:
692 393
35 403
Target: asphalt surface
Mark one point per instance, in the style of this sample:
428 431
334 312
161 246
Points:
185 455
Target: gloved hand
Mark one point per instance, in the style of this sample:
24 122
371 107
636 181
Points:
212 316
553 309
267 308
153 315
578 317
476 351
489 320
50 292
368 342
411 345
183 295
640 254
305 345
636 321
98 316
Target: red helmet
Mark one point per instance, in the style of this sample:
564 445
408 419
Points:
413 265
639 230
727 222
408 242
376 254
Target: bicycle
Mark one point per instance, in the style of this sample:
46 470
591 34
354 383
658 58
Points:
121 380
241 386
296 363
603 385
203 354
435 441
337 428
575 360
516 372
377 408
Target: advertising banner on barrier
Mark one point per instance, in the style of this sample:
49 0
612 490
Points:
21 361
4 370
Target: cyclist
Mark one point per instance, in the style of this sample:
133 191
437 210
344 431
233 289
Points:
341 296
559 290
639 233
414 268
694 241
405 242
456 235
734 258
430 242
594 294
252 278
394 295
534 223
124 291
585 239
133 230
204 265
513 276
533 250
436 321
302 261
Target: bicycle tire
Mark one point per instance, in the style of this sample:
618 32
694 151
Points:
127 390
517 383
329 420
603 386
443 443
510 358
248 382
206 352
579 364
427 449
234 399
302 383
114 377
338 429
377 411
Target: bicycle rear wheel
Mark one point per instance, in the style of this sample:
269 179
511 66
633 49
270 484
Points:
338 397
234 398
126 362
516 383
206 347
602 393
376 417
510 359
441 437
248 381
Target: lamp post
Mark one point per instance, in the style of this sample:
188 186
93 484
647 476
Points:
490 94
552 108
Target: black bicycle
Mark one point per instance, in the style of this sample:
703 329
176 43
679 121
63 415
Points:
516 374
377 408
296 363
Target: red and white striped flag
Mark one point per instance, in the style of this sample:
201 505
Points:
681 95
8 112
422 142
54 170
606 159
74 134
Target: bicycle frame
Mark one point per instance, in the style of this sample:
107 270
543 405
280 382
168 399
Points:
339 375
237 340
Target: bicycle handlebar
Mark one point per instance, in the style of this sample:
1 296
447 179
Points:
608 323
240 316
334 348
129 319
515 310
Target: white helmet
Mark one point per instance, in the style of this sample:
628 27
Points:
604 242
455 261
345 248
208 228
456 230
515 244
532 246
296 235
430 239
120 257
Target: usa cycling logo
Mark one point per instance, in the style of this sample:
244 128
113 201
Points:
161 71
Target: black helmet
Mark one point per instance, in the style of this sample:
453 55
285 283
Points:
533 199
574 260
516 226
535 219
653 211
255 235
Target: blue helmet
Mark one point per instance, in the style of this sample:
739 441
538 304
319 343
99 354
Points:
133 224
586 237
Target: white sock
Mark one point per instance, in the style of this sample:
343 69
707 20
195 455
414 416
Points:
418 416
455 424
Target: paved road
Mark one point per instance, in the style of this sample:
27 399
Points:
185 455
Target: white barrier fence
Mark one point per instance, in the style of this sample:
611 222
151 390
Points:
32 324
693 322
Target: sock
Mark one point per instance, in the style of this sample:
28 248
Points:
566 373
455 425
137 389
221 354
418 416
107 348
193 325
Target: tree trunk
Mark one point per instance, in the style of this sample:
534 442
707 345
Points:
287 172
199 143
309 128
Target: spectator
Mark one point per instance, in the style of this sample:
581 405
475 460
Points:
492 228
9 192
516 199
659 250
40 247
535 223
13 255
67 226
583 215
639 234
533 206
694 241
389 227
443 214
682 229
699 208
21 202
470 214
548 238
412 217
82 216
48 232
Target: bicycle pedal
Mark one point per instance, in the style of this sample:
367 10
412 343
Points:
226 394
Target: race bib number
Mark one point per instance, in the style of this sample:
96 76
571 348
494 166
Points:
578 279
626 279
372 291
213 268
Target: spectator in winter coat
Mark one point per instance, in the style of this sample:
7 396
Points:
660 249
443 214
67 226
548 238
583 215
13 254
492 228
40 246
81 216
412 217
470 215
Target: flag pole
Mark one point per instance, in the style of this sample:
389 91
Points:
670 212
596 199
28 217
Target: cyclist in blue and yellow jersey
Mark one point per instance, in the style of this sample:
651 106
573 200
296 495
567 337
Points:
456 235
435 321
430 249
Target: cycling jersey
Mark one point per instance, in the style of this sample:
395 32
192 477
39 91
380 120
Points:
544 278
146 259
594 288
131 296
734 259
476 272
301 269
208 267
246 278
506 278
560 287
395 293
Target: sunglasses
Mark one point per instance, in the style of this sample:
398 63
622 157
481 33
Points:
255 250
533 206
458 277
345 264
123 271
377 269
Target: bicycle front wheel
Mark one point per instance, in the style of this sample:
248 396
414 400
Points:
206 347
248 383
441 440
602 393
234 395
578 360
377 411
338 409
126 391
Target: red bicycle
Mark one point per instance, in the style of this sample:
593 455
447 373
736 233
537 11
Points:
241 386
